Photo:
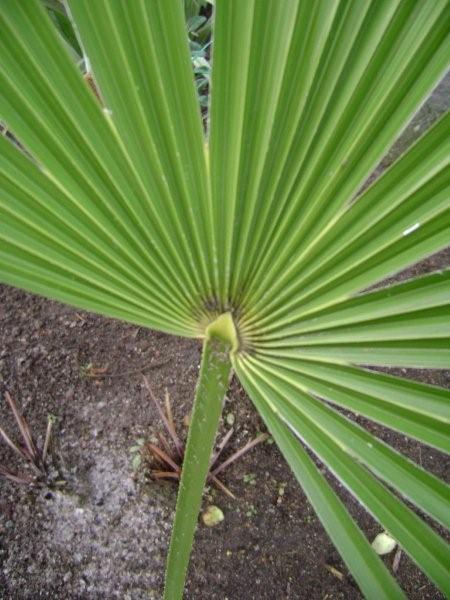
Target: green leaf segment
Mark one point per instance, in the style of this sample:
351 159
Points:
261 237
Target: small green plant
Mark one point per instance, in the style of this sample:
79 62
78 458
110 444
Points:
202 70
198 14
249 478
136 453
259 236
199 27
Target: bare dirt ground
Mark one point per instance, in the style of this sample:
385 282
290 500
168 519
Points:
105 533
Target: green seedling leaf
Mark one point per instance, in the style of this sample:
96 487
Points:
136 462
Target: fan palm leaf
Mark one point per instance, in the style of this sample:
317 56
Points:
262 237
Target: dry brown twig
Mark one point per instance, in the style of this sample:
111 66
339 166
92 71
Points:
28 450
171 458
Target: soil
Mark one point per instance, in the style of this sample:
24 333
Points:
104 534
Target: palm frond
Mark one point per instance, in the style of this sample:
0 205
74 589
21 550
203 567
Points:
121 204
